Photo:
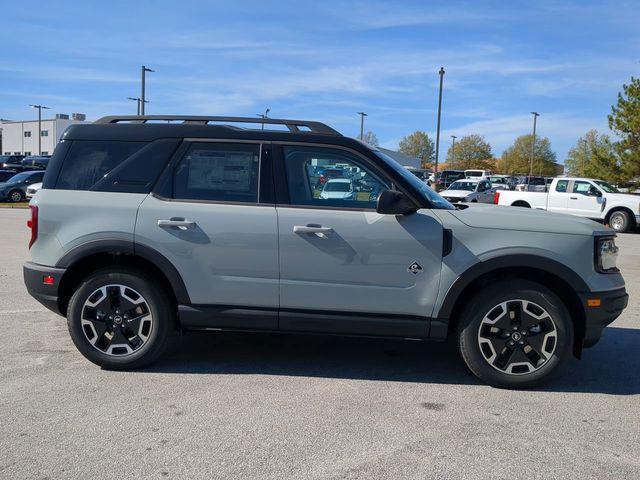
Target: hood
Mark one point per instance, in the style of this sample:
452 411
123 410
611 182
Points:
455 193
479 215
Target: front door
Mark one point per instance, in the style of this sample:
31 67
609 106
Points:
582 202
343 267
210 223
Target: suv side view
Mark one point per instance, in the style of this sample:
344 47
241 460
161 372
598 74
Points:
143 228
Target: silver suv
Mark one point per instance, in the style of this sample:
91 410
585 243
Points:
149 225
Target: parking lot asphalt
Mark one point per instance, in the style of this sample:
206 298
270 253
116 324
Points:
273 407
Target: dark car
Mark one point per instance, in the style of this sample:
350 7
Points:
15 189
447 177
35 162
6 175
13 162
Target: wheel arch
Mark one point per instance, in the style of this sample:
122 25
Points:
521 203
618 208
89 257
559 278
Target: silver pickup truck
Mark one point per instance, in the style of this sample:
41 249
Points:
144 227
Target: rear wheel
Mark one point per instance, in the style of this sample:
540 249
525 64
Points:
119 319
620 221
15 196
515 334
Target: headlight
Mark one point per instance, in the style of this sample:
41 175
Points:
606 254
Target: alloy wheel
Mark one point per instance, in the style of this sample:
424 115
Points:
617 222
16 196
116 320
517 337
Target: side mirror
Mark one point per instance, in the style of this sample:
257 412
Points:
593 191
392 202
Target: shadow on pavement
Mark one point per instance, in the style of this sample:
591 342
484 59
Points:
611 367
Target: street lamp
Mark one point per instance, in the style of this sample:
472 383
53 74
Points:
40 108
533 143
453 150
441 73
142 100
264 116
362 115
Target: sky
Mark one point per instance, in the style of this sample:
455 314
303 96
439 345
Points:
327 60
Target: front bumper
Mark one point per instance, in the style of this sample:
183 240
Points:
612 303
46 293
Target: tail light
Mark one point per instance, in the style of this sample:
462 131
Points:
496 197
323 179
32 223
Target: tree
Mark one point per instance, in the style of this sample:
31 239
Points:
624 120
517 158
371 139
471 151
419 145
594 156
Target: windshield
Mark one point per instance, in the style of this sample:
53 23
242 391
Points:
337 187
606 187
430 195
462 185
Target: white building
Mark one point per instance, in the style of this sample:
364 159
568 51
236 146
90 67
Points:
21 137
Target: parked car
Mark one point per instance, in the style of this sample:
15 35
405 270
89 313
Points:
142 228
469 190
6 175
447 177
33 189
477 174
338 188
585 197
421 173
11 162
531 184
35 162
327 174
500 182
15 189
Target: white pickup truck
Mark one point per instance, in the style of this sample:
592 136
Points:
585 197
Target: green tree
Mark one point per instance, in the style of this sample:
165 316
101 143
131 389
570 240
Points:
517 158
594 156
419 145
624 120
471 151
371 139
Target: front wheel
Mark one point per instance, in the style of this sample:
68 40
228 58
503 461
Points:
15 196
119 319
620 221
515 334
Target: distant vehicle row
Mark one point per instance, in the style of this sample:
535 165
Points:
14 189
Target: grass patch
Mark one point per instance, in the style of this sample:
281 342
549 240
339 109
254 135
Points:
14 205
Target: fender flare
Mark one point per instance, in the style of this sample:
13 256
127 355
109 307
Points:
508 261
124 247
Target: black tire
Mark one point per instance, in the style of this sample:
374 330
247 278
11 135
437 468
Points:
160 320
620 221
15 196
473 325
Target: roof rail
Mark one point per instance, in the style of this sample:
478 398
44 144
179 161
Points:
292 125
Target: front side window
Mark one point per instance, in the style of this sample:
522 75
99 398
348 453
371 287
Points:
218 172
561 186
328 177
581 187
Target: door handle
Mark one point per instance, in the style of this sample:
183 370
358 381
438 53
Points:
573 198
311 228
180 223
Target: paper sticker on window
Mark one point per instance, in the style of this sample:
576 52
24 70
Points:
215 170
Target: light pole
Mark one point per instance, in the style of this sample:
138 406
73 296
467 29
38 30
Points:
264 116
453 151
441 73
362 115
137 100
584 156
40 107
142 100
533 143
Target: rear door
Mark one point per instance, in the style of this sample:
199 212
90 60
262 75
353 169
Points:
343 267
212 216
558 197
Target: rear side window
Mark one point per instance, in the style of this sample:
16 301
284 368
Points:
88 161
561 186
218 172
